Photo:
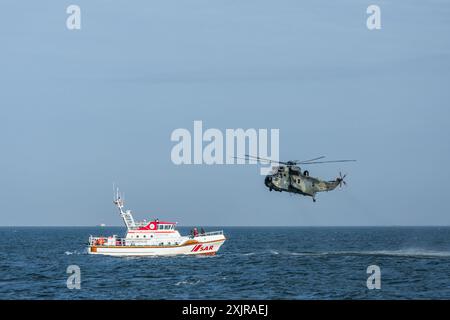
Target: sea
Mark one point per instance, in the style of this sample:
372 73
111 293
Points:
254 263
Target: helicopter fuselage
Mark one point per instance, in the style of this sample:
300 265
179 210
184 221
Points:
291 179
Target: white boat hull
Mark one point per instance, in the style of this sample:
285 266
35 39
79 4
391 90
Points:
190 248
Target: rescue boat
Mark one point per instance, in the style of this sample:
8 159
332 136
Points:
154 238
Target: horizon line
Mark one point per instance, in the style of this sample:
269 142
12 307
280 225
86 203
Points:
225 226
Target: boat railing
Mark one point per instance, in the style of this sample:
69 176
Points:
105 241
116 241
212 233
206 234
138 224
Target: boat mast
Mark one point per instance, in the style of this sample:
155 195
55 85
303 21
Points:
126 215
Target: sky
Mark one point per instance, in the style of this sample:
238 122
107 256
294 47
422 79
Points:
83 109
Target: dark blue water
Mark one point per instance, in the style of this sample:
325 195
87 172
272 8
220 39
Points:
254 263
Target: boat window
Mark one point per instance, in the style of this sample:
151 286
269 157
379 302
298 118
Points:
137 236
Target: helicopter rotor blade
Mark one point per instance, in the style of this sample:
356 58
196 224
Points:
249 157
331 161
290 163
256 159
304 161
241 158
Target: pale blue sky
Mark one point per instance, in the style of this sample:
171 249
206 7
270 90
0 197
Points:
83 109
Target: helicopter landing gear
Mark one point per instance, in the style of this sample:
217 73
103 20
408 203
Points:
314 199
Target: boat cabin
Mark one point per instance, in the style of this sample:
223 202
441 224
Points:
157 225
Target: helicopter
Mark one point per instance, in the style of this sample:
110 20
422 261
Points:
288 177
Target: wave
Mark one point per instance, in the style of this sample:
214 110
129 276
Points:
412 253
68 253
187 282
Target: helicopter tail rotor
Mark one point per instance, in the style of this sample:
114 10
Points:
341 180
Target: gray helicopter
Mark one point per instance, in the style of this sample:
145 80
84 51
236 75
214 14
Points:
288 176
